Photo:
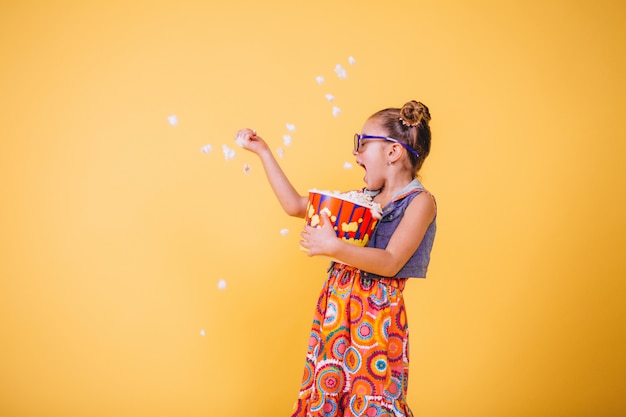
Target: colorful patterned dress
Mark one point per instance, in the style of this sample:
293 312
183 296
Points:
358 356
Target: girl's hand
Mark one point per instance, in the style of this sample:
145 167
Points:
319 241
249 140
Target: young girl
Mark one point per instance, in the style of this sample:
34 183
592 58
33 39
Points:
358 357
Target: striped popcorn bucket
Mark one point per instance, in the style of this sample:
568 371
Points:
353 223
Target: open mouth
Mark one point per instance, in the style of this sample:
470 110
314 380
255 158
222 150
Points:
362 165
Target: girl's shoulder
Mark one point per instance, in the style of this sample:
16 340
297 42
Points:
423 201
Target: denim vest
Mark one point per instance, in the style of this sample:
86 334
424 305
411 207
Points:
393 212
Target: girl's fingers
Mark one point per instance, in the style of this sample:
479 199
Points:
243 137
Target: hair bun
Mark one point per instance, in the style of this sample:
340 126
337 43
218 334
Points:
413 112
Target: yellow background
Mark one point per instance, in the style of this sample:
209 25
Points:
116 228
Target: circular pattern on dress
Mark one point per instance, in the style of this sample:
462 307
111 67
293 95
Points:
373 410
377 365
405 381
344 280
317 401
321 304
394 389
401 319
382 330
330 407
356 309
314 343
361 385
352 360
386 325
307 377
330 317
395 347
365 333
358 404
379 299
330 379
339 346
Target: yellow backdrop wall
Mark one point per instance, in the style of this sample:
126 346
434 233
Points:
143 272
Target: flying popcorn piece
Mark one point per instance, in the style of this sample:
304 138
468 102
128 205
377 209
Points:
291 127
341 71
228 152
202 332
351 60
287 140
206 149
172 120
280 152
221 284
347 165
283 232
319 79
246 169
330 97
336 111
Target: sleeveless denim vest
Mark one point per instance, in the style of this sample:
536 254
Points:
393 212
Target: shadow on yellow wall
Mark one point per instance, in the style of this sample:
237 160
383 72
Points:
146 270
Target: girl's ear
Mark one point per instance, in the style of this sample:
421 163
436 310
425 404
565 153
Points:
394 153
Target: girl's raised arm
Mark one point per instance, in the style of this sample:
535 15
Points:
290 200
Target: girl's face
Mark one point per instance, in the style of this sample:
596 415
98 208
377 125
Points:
372 155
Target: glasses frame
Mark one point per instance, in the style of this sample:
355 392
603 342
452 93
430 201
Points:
358 138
